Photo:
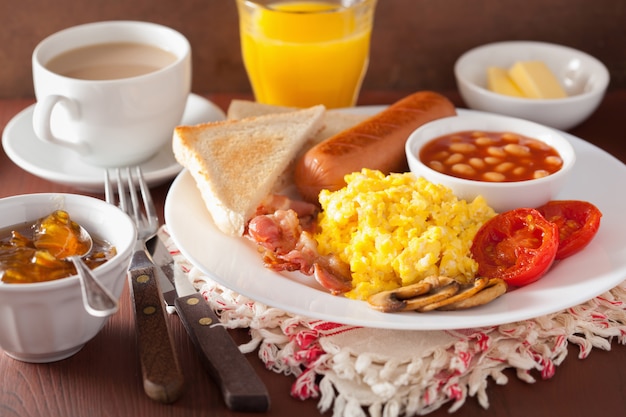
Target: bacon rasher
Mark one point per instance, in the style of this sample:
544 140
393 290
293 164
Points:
282 230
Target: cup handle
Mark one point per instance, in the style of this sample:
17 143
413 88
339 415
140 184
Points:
42 121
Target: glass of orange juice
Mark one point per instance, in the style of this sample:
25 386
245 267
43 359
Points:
301 53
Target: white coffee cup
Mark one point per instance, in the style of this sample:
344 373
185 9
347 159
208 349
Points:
116 121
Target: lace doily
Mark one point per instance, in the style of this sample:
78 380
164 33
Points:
357 371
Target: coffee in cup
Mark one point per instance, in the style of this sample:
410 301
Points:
111 91
110 61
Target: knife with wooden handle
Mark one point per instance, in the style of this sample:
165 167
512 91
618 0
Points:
163 379
241 387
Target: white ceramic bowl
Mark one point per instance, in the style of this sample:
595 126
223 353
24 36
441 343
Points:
500 196
46 322
584 78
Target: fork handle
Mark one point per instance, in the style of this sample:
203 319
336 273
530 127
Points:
162 376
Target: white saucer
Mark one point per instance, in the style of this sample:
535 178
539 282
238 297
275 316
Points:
62 165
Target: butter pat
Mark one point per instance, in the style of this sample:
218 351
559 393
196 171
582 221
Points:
535 80
498 81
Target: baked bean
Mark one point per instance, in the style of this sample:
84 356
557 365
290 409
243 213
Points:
504 167
496 151
462 147
442 155
494 176
517 150
437 166
463 169
455 158
492 160
538 145
554 160
510 137
477 163
491 156
484 141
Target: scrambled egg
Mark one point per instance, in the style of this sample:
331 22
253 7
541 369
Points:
398 229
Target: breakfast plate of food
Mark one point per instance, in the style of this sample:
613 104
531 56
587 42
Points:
236 262
62 165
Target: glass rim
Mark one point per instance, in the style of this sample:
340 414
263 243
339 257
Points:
342 5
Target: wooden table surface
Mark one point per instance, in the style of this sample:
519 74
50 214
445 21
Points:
104 378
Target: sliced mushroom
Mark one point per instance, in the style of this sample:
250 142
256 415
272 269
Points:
465 292
435 295
494 289
414 296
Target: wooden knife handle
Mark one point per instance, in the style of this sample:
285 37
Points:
241 387
162 376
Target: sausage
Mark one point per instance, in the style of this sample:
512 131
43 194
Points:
376 143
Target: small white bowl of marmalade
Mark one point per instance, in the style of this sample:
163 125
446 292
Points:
510 162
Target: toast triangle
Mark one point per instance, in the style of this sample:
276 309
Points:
236 163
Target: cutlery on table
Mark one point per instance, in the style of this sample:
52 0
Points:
162 375
241 387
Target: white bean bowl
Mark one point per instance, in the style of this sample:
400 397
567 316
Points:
584 78
501 196
46 321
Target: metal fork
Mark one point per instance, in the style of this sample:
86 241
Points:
162 375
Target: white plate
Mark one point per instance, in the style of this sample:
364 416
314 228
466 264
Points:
234 262
62 165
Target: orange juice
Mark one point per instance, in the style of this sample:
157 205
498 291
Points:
304 53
